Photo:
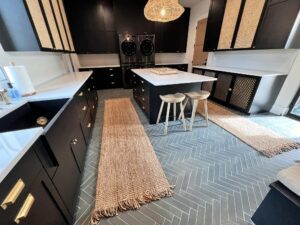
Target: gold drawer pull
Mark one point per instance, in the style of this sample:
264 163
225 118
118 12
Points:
93 106
89 89
89 125
143 99
112 83
111 69
80 94
13 194
142 81
143 90
111 75
230 89
22 214
84 108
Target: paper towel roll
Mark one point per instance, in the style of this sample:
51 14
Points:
20 79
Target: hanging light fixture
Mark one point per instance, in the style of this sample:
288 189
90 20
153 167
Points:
163 10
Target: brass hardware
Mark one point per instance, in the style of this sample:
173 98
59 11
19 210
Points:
93 106
89 125
143 99
89 89
142 81
143 107
92 78
134 75
75 140
111 75
13 194
229 89
42 121
23 212
80 94
111 69
143 90
84 108
112 82
93 86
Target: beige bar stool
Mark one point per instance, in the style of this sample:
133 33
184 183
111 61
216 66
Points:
195 97
171 99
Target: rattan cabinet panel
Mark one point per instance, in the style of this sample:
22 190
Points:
243 92
222 86
208 86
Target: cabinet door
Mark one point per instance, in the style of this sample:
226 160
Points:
243 91
214 24
40 202
276 24
39 23
229 23
208 86
249 22
66 25
222 87
57 42
60 24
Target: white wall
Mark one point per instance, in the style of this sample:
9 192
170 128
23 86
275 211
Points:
198 11
41 66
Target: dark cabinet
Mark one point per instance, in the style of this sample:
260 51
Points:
106 78
30 186
246 93
141 93
276 24
214 24
172 36
92 24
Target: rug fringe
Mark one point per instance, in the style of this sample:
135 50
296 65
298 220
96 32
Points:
130 204
280 149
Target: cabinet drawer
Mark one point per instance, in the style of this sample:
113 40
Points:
20 179
81 103
86 127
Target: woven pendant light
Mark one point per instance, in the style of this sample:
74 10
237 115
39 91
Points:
163 10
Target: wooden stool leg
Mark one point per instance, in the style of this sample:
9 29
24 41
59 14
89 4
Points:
195 106
167 119
174 111
184 105
206 112
160 111
182 113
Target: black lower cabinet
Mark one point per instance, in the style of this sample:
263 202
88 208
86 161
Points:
43 202
281 206
246 93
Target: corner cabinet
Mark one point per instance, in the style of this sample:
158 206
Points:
41 25
246 93
250 24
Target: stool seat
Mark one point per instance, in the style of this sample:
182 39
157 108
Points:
200 95
290 178
173 98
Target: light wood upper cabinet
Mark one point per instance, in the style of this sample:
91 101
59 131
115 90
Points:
39 23
52 24
61 26
199 56
67 28
230 18
249 23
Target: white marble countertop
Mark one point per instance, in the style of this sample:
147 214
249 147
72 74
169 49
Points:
178 78
258 73
99 66
165 64
13 145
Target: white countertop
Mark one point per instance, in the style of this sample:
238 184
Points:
258 73
99 66
162 64
13 145
179 78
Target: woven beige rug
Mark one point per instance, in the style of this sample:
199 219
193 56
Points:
130 174
260 138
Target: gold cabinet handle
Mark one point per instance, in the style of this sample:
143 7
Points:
13 194
93 106
89 89
23 212
230 89
80 94
89 125
111 75
142 81
84 108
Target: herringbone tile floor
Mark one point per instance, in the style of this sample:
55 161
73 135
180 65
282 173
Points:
219 179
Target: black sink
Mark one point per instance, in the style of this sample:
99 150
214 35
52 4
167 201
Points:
28 115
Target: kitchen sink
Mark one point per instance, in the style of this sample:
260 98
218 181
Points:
33 114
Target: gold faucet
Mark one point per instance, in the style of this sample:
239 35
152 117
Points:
4 97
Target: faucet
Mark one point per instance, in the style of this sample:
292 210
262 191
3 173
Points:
4 97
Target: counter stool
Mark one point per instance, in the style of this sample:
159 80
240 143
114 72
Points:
195 97
171 99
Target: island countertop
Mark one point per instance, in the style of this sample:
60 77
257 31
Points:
179 78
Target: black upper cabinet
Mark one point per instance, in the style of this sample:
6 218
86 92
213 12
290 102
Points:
276 24
130 17
214 24
92 24
172 36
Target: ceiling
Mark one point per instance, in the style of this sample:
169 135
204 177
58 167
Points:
189 3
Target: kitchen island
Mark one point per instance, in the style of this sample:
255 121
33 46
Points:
148 86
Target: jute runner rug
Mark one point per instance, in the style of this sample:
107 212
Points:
130 174
260 138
